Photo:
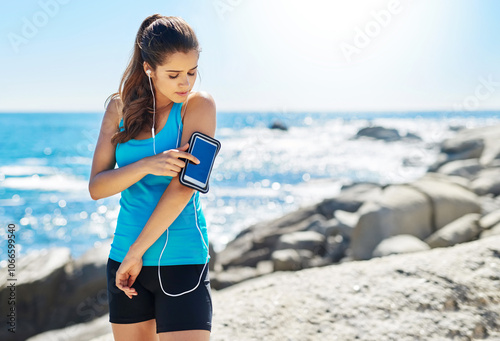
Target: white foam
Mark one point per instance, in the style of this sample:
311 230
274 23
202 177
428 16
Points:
57 182
17 170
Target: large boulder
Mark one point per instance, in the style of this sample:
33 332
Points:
386 134
462 230
291 259
489 220
302 240
256 243
403 243
487 182
349 199
479 143
494 231
417 209
234 275
380 133
39 277
469 168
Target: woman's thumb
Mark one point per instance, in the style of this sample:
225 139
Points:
184 147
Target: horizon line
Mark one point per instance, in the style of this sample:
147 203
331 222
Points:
285 111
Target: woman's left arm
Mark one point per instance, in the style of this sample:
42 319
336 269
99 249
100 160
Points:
200 116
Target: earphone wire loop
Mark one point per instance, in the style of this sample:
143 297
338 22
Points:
204 266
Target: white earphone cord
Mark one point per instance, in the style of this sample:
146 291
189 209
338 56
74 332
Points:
154 111
196 214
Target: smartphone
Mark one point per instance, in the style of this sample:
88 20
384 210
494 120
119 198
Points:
205 149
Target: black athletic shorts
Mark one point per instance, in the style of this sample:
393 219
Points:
187 312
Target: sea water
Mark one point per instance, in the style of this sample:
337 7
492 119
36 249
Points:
259 174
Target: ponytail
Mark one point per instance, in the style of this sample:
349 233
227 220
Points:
157 38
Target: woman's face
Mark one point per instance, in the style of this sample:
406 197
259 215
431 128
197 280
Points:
176 77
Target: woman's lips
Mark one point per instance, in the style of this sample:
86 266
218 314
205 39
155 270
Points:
182 93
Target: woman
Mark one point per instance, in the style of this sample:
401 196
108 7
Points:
158 281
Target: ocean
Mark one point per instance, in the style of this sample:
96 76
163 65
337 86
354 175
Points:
260 173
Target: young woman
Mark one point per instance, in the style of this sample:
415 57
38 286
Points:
158 281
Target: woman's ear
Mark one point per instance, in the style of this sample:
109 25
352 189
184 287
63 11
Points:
147 69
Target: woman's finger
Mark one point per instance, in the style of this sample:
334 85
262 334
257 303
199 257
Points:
129 291
188 156
176 162
175 168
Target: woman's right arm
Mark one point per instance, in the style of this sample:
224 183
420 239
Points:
105 180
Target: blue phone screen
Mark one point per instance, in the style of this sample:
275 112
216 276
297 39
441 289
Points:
205 152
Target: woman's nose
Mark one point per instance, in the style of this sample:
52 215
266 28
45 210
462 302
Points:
186 82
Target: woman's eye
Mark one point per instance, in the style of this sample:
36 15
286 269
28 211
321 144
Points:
191 74
173 77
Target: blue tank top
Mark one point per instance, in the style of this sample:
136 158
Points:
138 202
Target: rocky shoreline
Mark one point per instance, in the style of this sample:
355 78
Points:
456 202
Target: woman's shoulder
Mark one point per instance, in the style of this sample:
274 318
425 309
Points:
200 110
114 109
201 100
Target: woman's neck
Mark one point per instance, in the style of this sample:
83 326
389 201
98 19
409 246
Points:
162 102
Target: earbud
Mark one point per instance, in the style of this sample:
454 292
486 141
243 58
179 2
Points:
149 73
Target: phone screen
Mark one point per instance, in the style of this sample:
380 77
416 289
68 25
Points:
205 152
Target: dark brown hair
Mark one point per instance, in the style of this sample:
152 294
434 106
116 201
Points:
157 38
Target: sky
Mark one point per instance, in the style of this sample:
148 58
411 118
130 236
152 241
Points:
262 55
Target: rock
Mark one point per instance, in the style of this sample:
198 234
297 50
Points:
291 259
494 231
489 204
233 275
479 143
334 227
461 230
418 209
451 199
303 240
55 291
347 218
412 136
336 247
226 278
487 182
277 124
349 199
249 246
457 145
457 149
213 257
97 328
488 221
400 210
37 292
379 133
465 168
403 243
314 223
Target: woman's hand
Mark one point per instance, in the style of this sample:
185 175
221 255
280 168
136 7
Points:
127 273
167 163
